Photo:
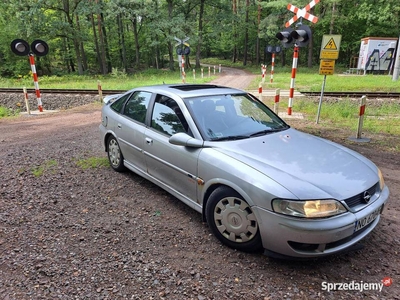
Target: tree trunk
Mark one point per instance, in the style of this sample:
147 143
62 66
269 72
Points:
170 47
103 64
234 29
106 48
246 34
82 49
96 42
121 42
137 46
78 56
199 44
258 33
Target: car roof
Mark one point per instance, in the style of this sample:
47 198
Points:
190 90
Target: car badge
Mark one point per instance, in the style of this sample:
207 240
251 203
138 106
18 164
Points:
366 196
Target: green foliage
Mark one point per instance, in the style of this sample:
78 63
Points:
309 80
6 112
48 166
133 35
115 81
93 162
379 117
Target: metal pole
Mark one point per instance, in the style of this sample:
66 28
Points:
35 81
272 67
361 113
361 116
28 110
320 99
292 81
397 62
276 103
100 90
183 69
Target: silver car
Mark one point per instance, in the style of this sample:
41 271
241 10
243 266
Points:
258 183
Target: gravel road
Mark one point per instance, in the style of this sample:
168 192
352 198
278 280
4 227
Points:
68 231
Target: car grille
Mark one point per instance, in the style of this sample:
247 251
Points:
313 247
359 199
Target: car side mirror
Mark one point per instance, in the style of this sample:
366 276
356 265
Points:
183 139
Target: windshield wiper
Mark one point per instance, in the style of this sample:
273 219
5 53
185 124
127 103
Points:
230 138
266 131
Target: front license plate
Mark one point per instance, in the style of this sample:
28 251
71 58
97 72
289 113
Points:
367 220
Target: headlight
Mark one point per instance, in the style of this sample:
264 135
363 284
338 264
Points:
308 208
381 181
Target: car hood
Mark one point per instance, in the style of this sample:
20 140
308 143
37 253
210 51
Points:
308 166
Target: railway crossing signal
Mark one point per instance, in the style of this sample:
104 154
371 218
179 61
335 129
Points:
300 36
37 47
302 13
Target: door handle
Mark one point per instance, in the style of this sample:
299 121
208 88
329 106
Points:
119 125
149 141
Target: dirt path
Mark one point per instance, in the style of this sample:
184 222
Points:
71 232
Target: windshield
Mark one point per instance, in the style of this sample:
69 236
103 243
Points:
232 117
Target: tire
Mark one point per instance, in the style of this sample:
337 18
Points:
232 221
115 156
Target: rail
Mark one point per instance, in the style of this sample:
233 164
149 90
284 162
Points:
110 92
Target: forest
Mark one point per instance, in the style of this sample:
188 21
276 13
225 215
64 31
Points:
105 36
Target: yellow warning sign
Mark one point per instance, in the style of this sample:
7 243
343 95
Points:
326 67
326 54
331 45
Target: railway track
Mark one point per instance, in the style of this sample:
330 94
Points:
110 92
62 91
354 94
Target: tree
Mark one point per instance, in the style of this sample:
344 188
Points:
97 35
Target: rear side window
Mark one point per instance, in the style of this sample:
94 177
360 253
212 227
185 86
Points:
119 103
136 106
167 117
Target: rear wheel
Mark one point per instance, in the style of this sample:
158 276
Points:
115 155
232 220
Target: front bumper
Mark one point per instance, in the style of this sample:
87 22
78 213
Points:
298 237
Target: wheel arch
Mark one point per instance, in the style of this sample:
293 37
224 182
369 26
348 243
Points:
106 137
213 186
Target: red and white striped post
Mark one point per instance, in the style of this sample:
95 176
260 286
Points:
35 80
292 81
28 110
361 114
100 90
263 69
272 67
260 91
183 70
276 103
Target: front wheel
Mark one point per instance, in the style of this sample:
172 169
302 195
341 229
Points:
232 220
115 155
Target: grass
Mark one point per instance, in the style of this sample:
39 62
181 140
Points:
380 116
114 81
307 79
339 82
47 166
6 112
93 162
